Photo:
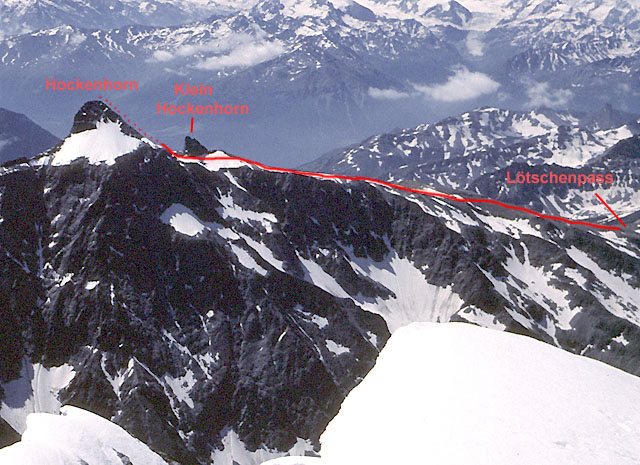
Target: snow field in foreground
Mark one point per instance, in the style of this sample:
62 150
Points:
35 391
74 437
457 394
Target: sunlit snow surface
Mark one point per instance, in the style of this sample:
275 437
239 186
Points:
235 452
219 160
183 220
103 144
76 437
457 394
415 299
36 390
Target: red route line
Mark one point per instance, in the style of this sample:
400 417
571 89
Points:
393 186
614 213
382 183
138 128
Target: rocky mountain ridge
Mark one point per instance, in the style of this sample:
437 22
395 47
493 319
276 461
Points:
484 152
218 311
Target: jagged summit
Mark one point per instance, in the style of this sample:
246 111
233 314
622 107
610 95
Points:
98 135
193 147
95 111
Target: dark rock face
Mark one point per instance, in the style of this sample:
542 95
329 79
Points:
23 224
162 283
92 277
94 112
194 148
8 435
195 301
21 137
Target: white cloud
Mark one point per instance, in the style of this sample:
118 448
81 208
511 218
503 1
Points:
541 94
245 55
387 94
76 39
6 142
219 46
229 51
162 55
463 85
474 44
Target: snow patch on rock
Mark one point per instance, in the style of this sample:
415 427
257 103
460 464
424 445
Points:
415 299
183 220
103 144
234 452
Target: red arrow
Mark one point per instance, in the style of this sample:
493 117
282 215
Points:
614 213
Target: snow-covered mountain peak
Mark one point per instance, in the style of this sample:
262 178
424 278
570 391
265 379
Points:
470 13
98 134
484 15
103 144
94 112
510 122
599 10
297 9
30 15
19 3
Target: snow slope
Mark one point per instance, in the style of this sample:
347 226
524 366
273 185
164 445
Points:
35 391
76 437
414 300
235 452
459 394
103 144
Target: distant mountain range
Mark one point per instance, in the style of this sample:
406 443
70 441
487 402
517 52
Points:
318 75
484 150
24 16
